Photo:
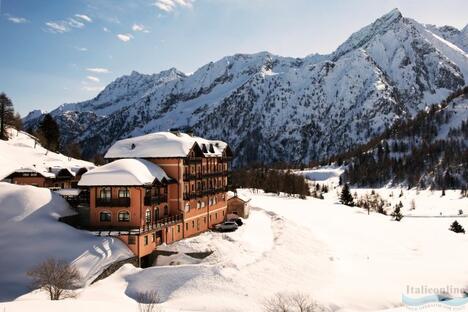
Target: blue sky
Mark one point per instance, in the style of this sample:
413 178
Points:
59 51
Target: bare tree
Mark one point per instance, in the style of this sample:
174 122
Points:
294 302
57 277
148 301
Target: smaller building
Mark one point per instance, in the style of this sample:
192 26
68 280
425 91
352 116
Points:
129 199
238 205
53 177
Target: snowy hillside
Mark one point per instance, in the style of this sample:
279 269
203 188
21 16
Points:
23 151
429 150
270 107
31 233
317 247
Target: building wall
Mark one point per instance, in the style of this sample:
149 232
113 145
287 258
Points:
237 206
36 181
135 209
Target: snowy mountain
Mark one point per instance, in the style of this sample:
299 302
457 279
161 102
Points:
270 108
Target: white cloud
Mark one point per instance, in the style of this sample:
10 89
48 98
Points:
17 20
93 78
63 26
82 49
138 27
98 70
58 27
105 29
171 5
83 17
124 37
74 23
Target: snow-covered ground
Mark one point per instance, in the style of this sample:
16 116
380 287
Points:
31 233
340 256
22 151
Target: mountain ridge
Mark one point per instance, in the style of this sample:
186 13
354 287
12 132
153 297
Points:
274 108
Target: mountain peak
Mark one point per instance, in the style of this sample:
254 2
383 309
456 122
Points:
393 14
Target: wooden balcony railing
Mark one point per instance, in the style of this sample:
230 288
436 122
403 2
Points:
113 202
155 200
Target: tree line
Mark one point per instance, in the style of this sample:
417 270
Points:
270 180
411 153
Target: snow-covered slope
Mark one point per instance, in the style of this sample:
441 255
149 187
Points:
452 34
31 233
23 151
269 107
341 257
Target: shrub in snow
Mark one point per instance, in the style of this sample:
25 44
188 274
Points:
460 212
148 301
346 198
57 277
396 214
295 302
456 227
373 202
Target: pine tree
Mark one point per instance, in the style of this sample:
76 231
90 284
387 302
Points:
49 133
7 116
346 198
396 214
456 227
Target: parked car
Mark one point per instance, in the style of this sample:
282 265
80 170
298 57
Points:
235 218
228 226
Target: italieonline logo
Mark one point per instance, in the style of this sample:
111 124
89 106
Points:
424 297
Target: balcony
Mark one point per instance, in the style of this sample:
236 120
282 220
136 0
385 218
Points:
113 202
155 200
190 176
191 160
123 230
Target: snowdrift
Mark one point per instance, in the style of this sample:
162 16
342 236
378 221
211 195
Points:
31 232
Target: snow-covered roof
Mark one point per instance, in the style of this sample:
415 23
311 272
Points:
164 144
125 172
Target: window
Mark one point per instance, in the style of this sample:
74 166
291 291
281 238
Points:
178 228
193 223
187 207
148 216
153 237
216 215
199 204
203 204
223 213
124 216
156 214
123 192
215 200
131 240
204 220
146 240
105 216
166 210
105 193
186 226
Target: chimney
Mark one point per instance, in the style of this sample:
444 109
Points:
175 131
